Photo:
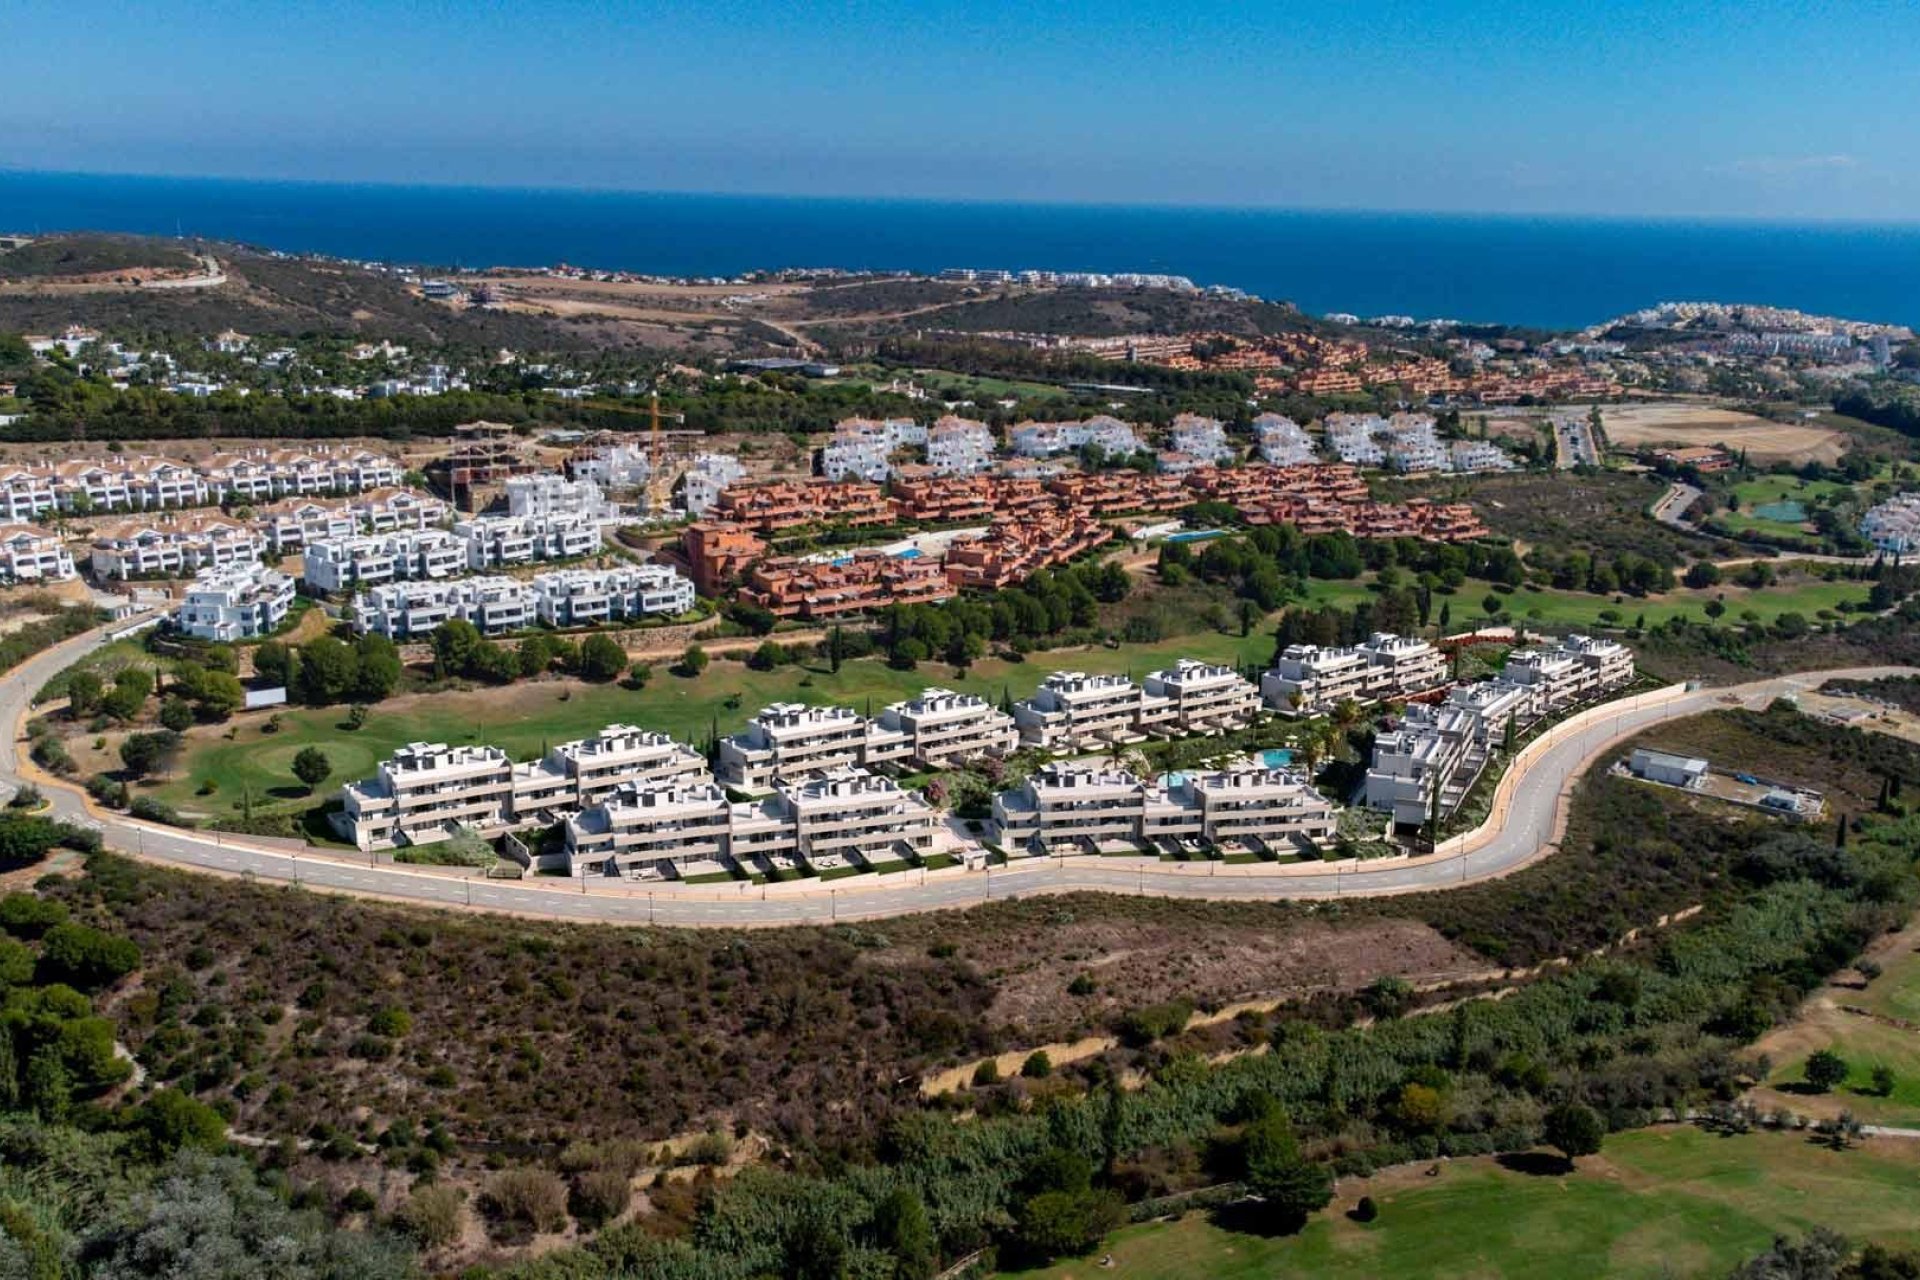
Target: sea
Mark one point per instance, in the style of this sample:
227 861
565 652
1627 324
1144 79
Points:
1551 272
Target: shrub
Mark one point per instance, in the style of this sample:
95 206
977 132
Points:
145 753
311 766
1366 1210
1038 1065
27 915
150 809
692 662
391 1021
1825 1070
170 1120
1574 1130
521 1203
432 1216
599 1196
987 1073
86 958
1883 1080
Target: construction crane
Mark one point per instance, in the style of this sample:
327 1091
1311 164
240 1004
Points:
659 483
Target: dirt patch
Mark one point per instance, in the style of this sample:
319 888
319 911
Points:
1630 426
1134 964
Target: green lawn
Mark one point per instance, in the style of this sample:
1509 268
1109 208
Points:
1866 1043
1575 608
522 718
1669 1202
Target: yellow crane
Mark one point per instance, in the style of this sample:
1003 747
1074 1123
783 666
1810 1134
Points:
659 482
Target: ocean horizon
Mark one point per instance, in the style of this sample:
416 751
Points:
1559 271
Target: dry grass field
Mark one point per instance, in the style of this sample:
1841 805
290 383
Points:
1630 426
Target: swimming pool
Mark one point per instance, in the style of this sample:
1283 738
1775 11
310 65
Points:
911 553
1196 535
1786 511
1276 757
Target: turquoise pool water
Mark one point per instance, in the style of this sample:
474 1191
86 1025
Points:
1276 757
1196 535
1787 511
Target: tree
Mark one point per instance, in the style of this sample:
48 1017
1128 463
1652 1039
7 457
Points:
84 689
1057 1224
1883 1080
1038 1065
692 662
329 670
311 766
85 958
902 1228
1702 574
1289 1185
1574 1129
170 1120
176 715
601 657
145 753
455 642
1825 1070
378 668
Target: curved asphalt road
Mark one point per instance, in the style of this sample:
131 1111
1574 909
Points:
1526 833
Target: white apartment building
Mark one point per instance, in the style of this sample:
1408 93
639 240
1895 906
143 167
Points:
1074 711
1044 439
1892 526
495 542
1283 442
960 446
294 523
1206 698
1471 456
943 727
411 610
1572 671
412 555
1311 679
1201 438
427 790
1314 679
1444 747
710 475
1354 438
653 829
236 602
790 740
29 553
852 817
613 466
382 510
582 597
172 546
548 494
863 449
26 492
648 830
1086 808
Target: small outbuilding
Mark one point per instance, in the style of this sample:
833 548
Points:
1664 767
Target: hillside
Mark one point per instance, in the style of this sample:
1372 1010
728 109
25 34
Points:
70 257
1110 313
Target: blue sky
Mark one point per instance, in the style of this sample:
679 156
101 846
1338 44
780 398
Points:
1755 109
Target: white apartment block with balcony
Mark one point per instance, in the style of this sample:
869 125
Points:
1355 438
425 792
1313 680
789 740
1082 807
1206 697
495 542
29 553
960 447
413 555
648 830
710 475
547 494
237 602
26 493
1044 439
583 597
1892 526
1275 807
1283 442
386 509
295 523
1074 711
1576 669
172 546
612 466
1432 744
943 727
862 449
1201 438
411 610
1472 456
852 817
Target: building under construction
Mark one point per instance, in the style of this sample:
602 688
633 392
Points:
473 474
